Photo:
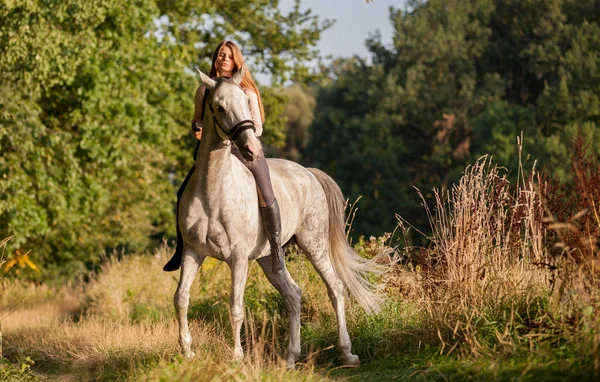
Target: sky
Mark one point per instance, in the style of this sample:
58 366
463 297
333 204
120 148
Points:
355 21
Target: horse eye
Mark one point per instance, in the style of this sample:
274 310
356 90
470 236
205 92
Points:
220 108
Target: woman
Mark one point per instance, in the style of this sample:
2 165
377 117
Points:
226 60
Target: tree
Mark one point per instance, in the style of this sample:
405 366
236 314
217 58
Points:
96 101
299 113
461 79
402 98
358 140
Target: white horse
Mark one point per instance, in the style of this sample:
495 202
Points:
219 217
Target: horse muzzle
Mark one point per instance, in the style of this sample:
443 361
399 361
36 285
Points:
249 146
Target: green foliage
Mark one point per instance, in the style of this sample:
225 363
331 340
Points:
274 132
461 79
21 371
96 121
143 312
95 102
361 146
496 129
299 111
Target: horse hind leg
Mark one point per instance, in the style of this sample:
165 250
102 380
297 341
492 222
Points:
315 244
189 267
292 296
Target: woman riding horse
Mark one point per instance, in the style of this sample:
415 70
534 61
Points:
227 59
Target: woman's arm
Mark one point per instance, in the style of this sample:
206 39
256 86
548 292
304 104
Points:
255 111
197 120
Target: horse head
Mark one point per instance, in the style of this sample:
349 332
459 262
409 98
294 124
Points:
228 104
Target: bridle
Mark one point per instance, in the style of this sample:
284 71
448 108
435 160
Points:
236 130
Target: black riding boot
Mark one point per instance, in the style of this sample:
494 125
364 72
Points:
272 223
174 262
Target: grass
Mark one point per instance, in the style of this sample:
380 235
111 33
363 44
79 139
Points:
123 327
101 333
508 289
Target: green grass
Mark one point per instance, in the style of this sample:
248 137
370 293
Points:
124 331
428 365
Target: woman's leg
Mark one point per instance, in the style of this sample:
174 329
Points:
269 209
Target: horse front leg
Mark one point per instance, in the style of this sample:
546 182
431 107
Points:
189 267
239 274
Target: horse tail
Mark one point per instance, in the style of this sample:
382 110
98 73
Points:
351 268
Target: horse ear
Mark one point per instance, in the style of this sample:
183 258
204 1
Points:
206 79
239 75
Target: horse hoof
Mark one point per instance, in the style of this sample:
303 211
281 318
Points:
351 360
238 356
290 363
189 355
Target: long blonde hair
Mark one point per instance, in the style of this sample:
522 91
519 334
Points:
238 61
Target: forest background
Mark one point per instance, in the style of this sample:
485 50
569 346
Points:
96 101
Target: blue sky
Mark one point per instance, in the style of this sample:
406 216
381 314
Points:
355 20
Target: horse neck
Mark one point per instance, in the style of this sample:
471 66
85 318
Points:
213 160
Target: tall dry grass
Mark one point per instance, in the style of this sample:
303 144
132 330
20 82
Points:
487 247
497 278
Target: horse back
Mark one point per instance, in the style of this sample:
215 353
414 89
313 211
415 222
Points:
297 190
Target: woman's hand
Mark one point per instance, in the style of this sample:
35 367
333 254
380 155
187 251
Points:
198 134
197 130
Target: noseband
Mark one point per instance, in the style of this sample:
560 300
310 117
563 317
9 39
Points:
236 130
